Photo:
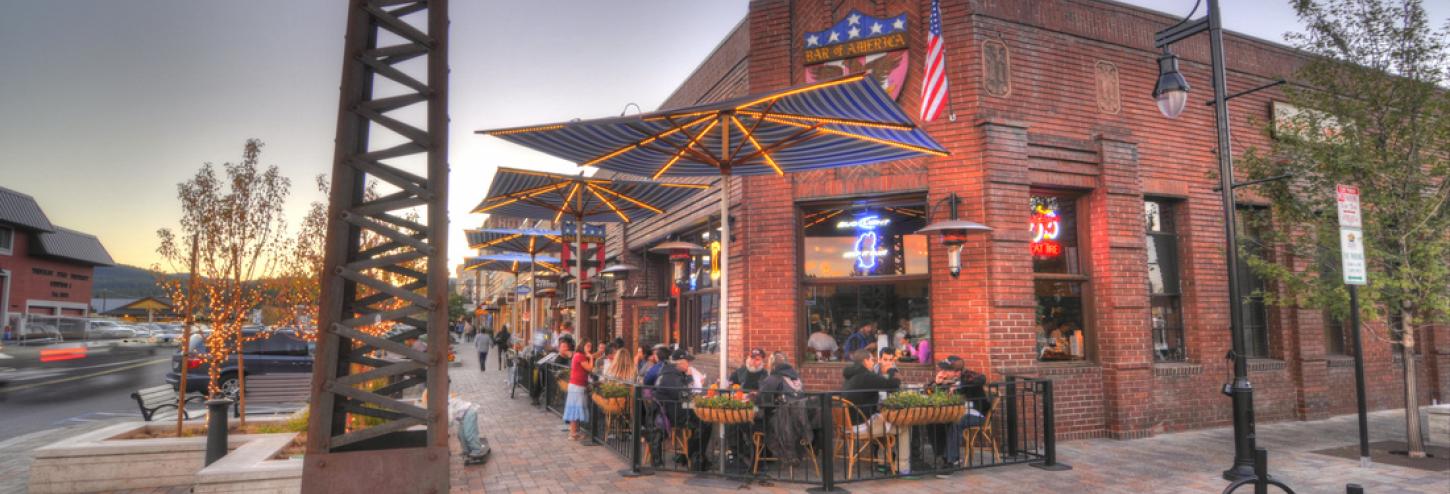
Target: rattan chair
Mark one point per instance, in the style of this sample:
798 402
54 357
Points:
759 439
982 432
842 414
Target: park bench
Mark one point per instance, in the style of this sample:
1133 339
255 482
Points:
159 402
276 393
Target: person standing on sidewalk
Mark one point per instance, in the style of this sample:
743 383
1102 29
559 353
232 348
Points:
482 341
576 406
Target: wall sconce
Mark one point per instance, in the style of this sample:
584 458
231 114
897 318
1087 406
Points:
680 254
953 234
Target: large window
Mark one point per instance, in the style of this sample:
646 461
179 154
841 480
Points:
1251 223
700 293
1056 265
1164 290
864 265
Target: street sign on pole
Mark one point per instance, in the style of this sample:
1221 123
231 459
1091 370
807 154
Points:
1351 253
1351 236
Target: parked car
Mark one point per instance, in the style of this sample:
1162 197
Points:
279 351
108 330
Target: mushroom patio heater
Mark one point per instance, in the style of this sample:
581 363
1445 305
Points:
953 233
680 253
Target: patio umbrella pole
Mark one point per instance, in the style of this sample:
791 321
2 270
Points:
724 305
579 279
533 294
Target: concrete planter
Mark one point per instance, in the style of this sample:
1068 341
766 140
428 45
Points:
97 461
1439 421
252 469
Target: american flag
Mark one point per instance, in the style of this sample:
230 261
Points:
934 83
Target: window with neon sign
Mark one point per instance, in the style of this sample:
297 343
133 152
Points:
864 263
864 241
1052 234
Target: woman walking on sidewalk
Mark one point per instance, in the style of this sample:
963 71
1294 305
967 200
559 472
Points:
482 341
580 365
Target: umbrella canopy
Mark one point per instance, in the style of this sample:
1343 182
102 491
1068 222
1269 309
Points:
552 196
525 240
842 122
510 262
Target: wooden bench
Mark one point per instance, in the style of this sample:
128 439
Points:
276 392
159 402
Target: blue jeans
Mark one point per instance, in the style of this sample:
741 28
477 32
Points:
954 437
468 433
482 360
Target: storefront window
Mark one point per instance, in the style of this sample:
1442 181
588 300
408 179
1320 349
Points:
1252 220
864 264
1164 292
700 294
1061 322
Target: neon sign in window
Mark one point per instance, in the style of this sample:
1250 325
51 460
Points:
867 249
1046 227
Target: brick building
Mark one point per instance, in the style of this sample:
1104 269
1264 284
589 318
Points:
1104 271
44 269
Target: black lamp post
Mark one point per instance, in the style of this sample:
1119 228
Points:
1171 93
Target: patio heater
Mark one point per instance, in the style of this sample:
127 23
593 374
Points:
953 233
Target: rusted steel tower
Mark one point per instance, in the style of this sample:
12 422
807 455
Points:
386 277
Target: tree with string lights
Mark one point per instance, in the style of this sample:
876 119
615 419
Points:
235 224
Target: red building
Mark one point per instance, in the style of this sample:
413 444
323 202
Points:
44 269
1104 270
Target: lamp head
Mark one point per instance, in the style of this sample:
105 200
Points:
1171 91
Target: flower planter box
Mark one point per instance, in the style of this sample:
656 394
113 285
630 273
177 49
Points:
725 415
907 417
253 468
98 461
610 406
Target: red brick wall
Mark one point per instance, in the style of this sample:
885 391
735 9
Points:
25 284
1051 131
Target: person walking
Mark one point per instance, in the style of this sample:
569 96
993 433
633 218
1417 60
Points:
503 339
482 341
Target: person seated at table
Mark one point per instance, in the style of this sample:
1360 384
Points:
677 383
748 376
953 377
863 339
823 344
660 359
865 379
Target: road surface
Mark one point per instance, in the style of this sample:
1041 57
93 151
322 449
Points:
89 393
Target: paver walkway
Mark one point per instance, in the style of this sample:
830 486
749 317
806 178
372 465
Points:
532 455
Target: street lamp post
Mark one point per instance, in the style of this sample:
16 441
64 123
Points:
1171 93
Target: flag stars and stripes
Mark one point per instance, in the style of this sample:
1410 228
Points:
854 32
934 82
813 40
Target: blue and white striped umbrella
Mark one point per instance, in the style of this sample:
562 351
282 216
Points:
550 196
510 262
842 122
528 240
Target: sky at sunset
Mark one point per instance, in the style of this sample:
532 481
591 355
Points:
105 105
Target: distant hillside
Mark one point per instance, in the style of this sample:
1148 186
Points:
122 281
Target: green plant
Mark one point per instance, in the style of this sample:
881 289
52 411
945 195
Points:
722 401
612 390
905 399
297 422
946 399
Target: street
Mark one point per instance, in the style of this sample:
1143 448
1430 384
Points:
81 394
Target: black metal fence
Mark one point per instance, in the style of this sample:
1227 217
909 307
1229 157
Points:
819 438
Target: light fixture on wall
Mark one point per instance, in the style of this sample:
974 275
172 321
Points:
680 253
953 233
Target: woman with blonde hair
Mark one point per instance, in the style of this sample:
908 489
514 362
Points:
621 367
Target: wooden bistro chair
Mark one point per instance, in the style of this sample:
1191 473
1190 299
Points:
859 438
982 433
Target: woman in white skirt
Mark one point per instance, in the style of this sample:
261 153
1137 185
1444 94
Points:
576 406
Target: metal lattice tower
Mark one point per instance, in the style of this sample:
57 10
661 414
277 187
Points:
385 273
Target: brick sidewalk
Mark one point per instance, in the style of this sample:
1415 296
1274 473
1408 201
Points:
532 454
